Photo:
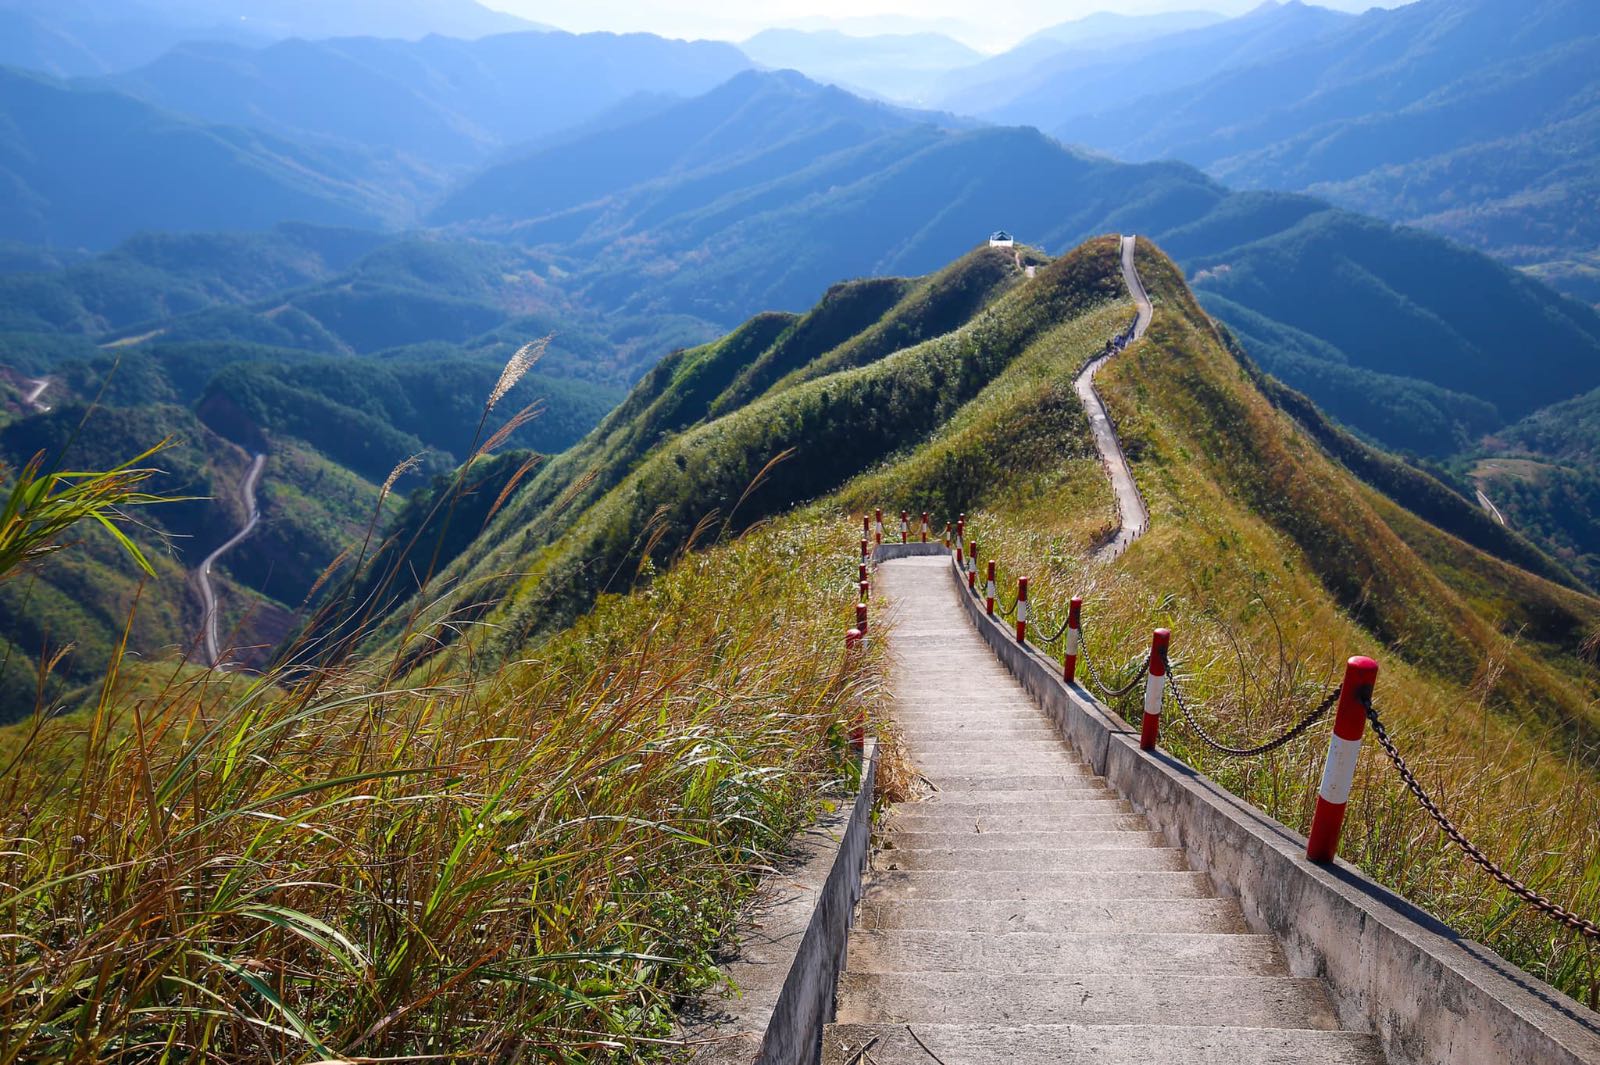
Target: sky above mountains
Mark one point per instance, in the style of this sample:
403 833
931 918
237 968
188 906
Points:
997 25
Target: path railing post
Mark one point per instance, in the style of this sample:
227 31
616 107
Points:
864 551
989 589
947 536
858 724
1344 750
1069 660
861 619
866 590
1155 685
961 538
972 566
878 529
866 526
1022 610
924 526
905 527
861 573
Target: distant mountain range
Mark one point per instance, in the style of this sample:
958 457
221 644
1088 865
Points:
762 193
1477 119
70 37
901 67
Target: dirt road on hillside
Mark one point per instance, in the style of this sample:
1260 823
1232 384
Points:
208 595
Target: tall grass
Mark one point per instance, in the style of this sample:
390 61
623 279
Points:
526 864
1253 650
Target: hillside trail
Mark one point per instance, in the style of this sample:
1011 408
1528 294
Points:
1133 518
1024 913
208 594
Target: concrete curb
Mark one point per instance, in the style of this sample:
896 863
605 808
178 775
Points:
793 948
1430 996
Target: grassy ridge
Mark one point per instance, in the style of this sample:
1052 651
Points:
1271 564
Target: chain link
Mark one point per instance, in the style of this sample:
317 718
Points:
1094 674
1539 902
1316 714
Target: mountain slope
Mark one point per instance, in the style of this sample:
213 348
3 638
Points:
440 103
1407 354
87 166
897 66
1469 117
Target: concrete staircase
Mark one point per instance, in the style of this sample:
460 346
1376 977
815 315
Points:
1022 913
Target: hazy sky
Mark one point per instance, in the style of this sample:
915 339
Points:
992 24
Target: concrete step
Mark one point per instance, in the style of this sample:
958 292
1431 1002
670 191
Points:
978 804
958 737
1013 817
1132 1044
1050 782
1035 858
1084 998
991 755
1064 953
906 885
977 843
1216 916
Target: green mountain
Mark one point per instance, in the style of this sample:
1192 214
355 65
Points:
1397 333
83 165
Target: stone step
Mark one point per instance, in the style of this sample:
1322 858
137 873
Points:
1013 817
1083 998
1035 858
1216 916
978 804
977 843
974 736
1062 781
907 885
1063 953
1001 759
1130 1044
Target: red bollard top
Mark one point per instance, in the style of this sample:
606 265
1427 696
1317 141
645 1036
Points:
1075 613
866 523
863 548
972 551
991 569
864 589
861 614
878 514
1350 721
862 573
924 517
1022 589
905 516
852 637
1158 652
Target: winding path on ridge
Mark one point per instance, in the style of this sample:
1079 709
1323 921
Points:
208 594
1133 518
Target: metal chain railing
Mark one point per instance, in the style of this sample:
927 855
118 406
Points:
1559 913
1094 673
1317 713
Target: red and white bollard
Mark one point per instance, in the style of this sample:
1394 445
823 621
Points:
972 566
1155 685
905 527
989 589
858 726
863 551
961 538
1344 750
861 619
866 525
866 590
878 530
1022 610
924 526
861 574
947 536
1069 661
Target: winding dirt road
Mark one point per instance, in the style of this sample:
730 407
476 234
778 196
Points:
39 384
1133 518
208 595
1488 505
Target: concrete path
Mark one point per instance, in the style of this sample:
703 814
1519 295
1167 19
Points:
208 594
1023 914
1133 517
1488 505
